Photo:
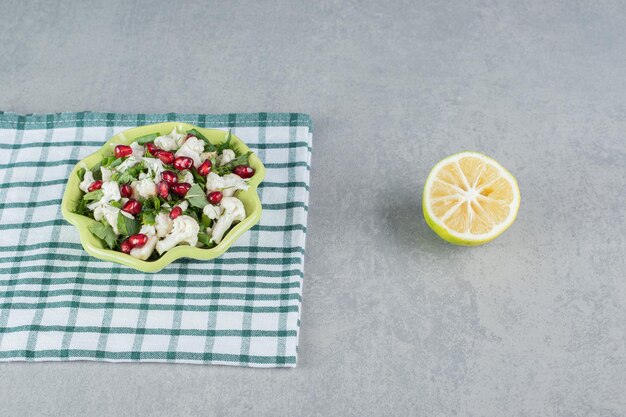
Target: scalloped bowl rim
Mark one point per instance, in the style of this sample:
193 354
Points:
90 242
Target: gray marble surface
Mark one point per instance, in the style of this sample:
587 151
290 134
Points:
395 321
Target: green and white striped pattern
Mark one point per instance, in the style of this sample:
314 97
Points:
58 303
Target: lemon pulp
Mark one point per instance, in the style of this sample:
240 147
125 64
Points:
470 199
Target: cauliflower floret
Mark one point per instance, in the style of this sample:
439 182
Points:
163 224
228 184
138 150
184 205
192 148
109 213
211 211
208 155
186 177
130 162
146 250
111 192
170 142
232 183
185 230
226 156
144 188
233 212
154 165
214 182
86 182
102 209
106 174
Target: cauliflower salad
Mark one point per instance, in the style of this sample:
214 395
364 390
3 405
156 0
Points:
164 191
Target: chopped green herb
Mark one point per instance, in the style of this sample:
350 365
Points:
108 160
228 168
206 221
226 144
129 175
142 140
81 174
93 195
205 239
148 217
81 208
152 203
96 167
199 179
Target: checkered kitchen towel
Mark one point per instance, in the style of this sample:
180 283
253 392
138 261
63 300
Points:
58 303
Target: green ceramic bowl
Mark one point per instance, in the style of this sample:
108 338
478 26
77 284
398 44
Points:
95 247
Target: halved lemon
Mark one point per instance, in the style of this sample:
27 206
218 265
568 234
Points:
470 199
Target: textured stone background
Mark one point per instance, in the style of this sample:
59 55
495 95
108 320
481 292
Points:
395 322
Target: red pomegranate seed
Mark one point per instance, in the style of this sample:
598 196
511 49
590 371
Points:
205 168
96 185
176 211
164 190
244 171
183 162
181 188
166 157
125 246
132 206
169 177
152 148
189 135
122 151
138 240
126 190
215 197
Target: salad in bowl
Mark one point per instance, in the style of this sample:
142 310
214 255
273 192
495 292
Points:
157 193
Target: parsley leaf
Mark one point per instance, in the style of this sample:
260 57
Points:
93 195
129 175
156 203
152 203
104 232
148 217
196 196
97 172
126 226
81 174
111 161
81 208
